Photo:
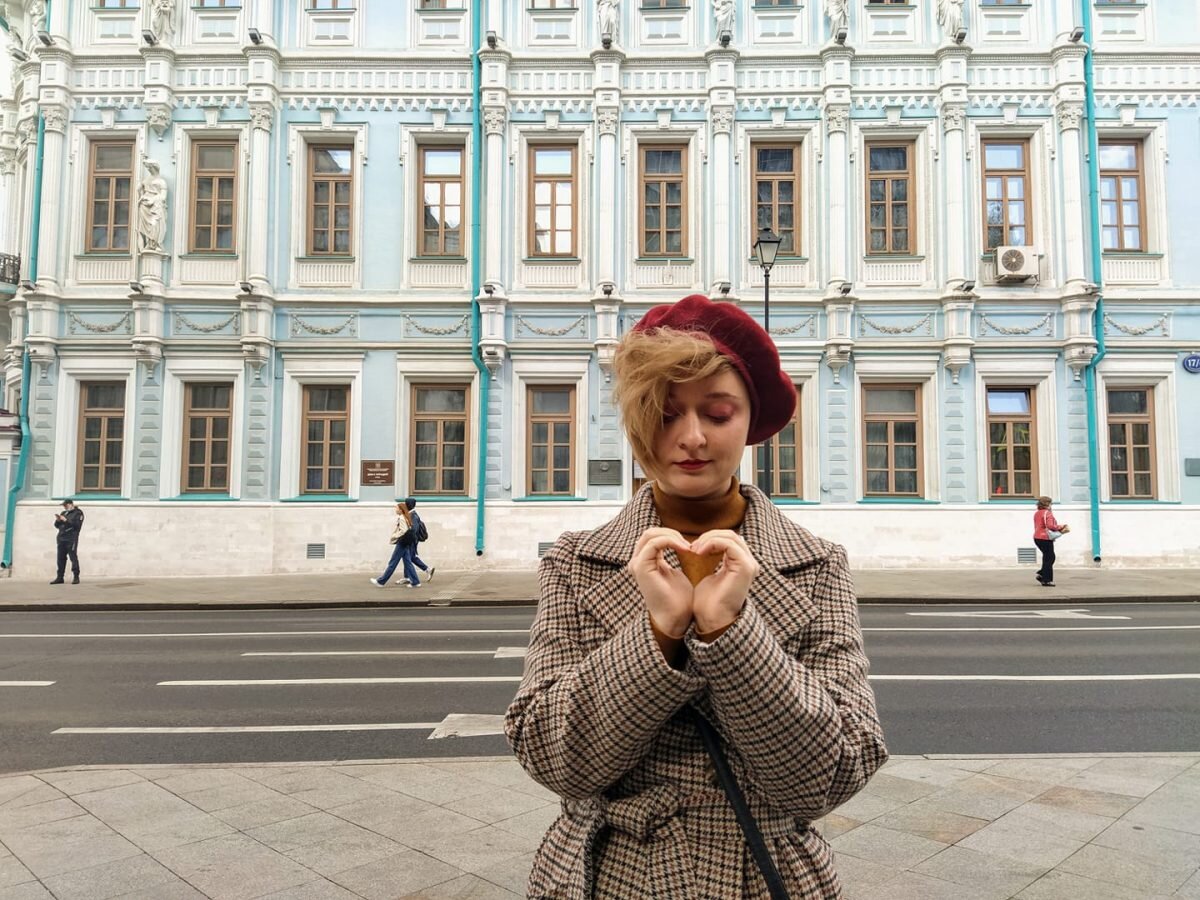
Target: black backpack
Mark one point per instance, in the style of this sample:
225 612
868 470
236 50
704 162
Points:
420 532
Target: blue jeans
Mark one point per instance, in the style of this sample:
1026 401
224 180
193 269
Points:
412 562
398 554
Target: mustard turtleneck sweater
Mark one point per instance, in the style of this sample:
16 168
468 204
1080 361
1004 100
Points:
692 518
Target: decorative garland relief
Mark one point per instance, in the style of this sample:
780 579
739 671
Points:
1046 321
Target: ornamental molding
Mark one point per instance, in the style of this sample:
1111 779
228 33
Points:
75 325
27 132
954 116
55 118
1046 322
494 119
722 119
809 322
607 119
654 104
8 161
436 331
301 326
262 116
539 106
788 104
580 323
837 119
158 118
1069 115
926 322
1161 325
234 319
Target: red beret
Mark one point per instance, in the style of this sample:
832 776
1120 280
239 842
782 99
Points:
746 345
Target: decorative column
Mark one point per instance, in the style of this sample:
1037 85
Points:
1069 114
262 121
495 120
835 104
55 118
8 199
607 120
722 103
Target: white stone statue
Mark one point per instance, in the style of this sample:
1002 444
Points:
950 17
37 21
608 17
162 19
838 15
723 15
152 210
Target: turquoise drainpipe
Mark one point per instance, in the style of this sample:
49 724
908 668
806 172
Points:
1093 149
485 377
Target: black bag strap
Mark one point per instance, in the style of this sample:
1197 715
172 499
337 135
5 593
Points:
733 792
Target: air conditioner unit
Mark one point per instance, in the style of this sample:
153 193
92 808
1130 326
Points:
1016 264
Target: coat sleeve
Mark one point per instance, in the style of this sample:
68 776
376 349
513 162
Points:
582 720
806 728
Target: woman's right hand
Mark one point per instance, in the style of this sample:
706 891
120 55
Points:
667 591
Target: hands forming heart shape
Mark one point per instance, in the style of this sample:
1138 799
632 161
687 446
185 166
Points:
671 600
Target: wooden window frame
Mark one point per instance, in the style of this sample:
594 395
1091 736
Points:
442 180
1009 420
316 5
106 415
1140 175
889 2
531 209
113 176
217 4
892 418
210 414
909 175
552 4
662 180
441 418
551 419
664 4
1004 175
332 205
215 176
777 3
755 177
440 5
326 416
116 4
775 445
1128 420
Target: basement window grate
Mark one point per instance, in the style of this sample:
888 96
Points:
314 551
544 548
1027 556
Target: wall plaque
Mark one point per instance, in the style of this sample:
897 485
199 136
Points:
378 472
604 471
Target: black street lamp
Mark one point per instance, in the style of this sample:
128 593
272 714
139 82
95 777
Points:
766 248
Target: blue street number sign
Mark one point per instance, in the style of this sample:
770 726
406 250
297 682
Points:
1192 363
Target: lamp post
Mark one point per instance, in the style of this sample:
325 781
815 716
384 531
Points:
766 248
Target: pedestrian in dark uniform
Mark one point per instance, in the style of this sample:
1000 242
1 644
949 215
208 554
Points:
69 523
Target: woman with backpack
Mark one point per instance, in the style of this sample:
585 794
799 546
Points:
406 533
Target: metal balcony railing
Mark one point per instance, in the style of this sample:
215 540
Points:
10 269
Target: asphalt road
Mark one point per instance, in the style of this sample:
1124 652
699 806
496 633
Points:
953 680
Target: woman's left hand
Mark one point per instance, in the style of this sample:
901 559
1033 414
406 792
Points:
718 599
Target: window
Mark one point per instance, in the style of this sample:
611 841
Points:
552 201
551 443
1121 196
887 2
440 4
101 437
207 418
214 197
889 198
776 2
109 188
553 4
439 450
114 4
1006 193
1011 446
664 4
326 435
217 4
1004 2
441 176
1131 443
331 4
664 201
786 471
330 185
892 440
777 193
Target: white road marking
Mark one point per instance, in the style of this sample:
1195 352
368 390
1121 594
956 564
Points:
1167 677
1020 614
192 634
251 729
1049 628
378 653
510 652
252 682
26 683
468 725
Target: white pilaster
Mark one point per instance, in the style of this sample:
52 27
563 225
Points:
52 174
262 120
1069 114
494 122
606 188
836 61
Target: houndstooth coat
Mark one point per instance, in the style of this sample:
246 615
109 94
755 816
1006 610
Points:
599 719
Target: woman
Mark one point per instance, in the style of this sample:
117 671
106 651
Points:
411 541
699 594
1044 523
402 531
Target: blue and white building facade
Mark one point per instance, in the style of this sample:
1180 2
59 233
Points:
269 266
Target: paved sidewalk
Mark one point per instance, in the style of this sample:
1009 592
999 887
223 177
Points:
484 587
1034 828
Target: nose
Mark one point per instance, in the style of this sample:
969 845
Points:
691 433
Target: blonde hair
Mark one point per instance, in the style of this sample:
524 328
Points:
646 364
1044 502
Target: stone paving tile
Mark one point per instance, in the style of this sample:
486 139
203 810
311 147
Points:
928 772
882 845
426 783
1149 840
384 815
1190 890
903 789
233 867
914 886
1057 821
33 890
314 890
152 817
16 818
465 887
71 783
483 848
344 852
533 824
178 889
1134 777
1014 839
502 773
1171 806
424 828
860 874
512 874
928 821
984 796
981 871
111 879
218 796
263 812
67 845
14 786
867 806
1129 870
304 830
43 793
396 876
833 825
1099 803
1058 885
1047 771
12 872
193 781
496 804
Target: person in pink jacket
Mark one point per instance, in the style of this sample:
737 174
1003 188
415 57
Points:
1043 524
